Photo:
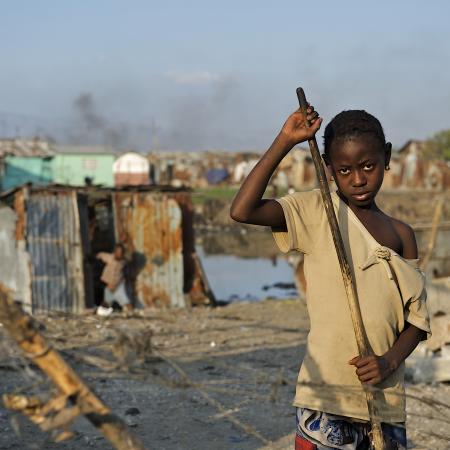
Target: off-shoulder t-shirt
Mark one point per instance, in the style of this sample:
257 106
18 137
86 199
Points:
391 292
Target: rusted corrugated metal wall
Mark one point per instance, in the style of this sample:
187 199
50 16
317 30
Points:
196 285
152 225
14 267
54 244
184 201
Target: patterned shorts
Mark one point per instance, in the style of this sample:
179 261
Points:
321 431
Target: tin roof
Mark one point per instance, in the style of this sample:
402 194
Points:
93 190
84 149
25 147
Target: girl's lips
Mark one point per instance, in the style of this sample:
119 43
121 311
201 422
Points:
361 197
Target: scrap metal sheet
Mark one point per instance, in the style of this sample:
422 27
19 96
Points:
151 223
53 241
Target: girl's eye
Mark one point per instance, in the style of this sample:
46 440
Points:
344 171
368 167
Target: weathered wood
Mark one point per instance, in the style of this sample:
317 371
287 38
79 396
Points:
23 330
200 277
352 296
434 231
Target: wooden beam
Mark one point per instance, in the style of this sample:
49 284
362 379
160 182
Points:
434 231
23 330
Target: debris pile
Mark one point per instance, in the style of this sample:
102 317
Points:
430 362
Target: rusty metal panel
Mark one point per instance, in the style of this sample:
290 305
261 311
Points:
54 245
151 223
184 201
14 263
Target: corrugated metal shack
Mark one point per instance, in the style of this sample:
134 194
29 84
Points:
25 160
50 236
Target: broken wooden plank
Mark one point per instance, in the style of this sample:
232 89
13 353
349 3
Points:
22 328
434 230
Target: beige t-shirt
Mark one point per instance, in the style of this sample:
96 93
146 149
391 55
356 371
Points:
391 290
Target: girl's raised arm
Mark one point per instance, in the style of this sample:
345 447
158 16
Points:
248 206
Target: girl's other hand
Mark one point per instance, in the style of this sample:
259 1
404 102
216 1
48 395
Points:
372 369
296 130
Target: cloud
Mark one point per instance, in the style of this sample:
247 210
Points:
193 78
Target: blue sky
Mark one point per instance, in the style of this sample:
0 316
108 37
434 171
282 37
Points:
206 74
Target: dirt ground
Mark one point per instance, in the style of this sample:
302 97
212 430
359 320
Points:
198 379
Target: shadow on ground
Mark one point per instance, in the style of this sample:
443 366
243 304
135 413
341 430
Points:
255 389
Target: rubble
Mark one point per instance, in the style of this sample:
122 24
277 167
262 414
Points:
430 362
250 373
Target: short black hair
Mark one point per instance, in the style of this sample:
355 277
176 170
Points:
352 123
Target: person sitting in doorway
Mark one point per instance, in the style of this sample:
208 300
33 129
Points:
113 277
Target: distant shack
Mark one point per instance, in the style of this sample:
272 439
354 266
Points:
49 237
79 165
25 161
41 163
131 169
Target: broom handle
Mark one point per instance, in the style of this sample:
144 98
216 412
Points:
352 296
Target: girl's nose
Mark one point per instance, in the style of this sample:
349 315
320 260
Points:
359 178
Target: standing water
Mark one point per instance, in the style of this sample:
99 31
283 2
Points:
250 279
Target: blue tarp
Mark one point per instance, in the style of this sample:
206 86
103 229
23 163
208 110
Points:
215 176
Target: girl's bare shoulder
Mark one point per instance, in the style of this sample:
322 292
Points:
406 234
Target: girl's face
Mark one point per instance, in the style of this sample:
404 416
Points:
357 165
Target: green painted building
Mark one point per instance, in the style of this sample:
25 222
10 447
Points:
74 165
26 169
38 162
25 161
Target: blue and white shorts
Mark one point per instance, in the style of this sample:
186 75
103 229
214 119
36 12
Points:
322 431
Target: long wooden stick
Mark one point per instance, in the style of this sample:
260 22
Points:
352 296
23 330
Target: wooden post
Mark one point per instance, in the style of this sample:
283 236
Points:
434 231
22 329
352 296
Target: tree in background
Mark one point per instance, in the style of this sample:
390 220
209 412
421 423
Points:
438 146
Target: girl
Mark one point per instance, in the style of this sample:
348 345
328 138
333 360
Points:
382 251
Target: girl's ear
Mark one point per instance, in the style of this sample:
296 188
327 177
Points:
387 154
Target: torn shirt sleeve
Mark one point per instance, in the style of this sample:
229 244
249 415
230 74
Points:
412 286
302 212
